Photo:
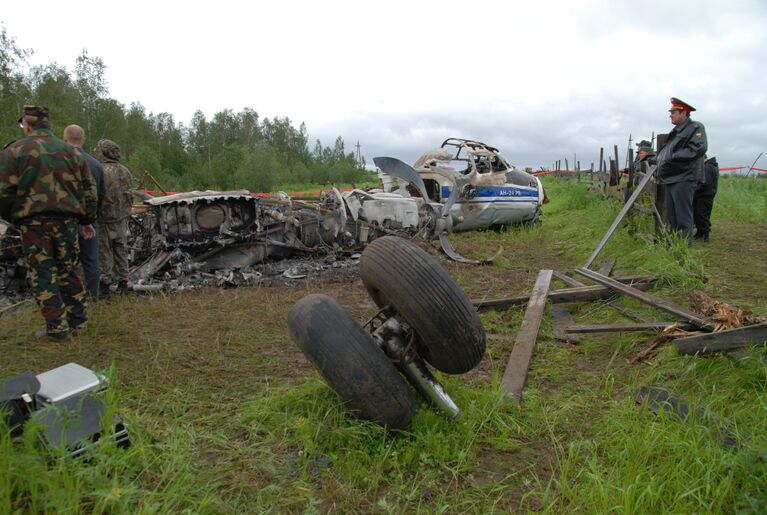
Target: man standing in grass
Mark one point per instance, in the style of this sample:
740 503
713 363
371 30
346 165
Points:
680 166
113 217
47 190
704 200
89 249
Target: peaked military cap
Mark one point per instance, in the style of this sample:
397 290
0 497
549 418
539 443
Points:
680 105
34 115
644 144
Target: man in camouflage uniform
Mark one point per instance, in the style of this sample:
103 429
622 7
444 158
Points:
48 192
113 217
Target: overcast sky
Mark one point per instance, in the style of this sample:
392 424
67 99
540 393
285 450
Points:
540 80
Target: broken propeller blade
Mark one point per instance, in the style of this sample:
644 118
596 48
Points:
449 250
397 168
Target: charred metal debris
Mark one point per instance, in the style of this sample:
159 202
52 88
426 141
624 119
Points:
232 238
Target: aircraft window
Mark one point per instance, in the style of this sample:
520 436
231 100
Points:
459 166
483 164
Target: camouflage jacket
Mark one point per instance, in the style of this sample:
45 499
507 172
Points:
118 200
41 175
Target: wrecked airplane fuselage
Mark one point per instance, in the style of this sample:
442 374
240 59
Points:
213 233
478 184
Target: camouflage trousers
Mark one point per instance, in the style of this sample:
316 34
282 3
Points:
113 251
50 248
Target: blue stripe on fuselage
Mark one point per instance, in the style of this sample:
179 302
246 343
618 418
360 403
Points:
499 201
497 191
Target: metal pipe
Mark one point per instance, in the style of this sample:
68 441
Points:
426 384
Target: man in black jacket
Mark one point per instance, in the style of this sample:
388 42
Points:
680 166
89 249
703 203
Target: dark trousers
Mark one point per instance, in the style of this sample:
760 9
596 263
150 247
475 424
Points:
702 206
89 258
679 207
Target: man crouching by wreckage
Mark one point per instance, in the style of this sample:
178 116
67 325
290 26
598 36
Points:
47 191
113 218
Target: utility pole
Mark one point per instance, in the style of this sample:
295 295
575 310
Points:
358 156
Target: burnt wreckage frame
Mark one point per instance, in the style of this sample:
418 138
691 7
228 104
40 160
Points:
189 239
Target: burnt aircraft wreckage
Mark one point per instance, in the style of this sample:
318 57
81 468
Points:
187 239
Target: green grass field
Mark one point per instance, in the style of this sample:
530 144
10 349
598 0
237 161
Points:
226 415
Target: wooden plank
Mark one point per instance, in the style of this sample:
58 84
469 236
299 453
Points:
561 319
617 328
515 375
664 305
723 341
567 279
580 294
618 218
630 182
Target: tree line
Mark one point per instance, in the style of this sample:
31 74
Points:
231 150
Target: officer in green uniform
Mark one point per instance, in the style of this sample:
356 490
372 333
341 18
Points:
47 191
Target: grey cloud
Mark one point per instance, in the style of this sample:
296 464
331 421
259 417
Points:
540 136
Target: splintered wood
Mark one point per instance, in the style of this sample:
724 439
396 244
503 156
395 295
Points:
669 333
516 370
724 315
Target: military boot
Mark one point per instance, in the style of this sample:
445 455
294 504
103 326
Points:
45 334
77 326
105 290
